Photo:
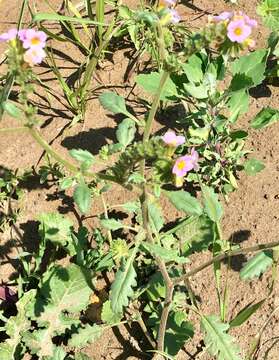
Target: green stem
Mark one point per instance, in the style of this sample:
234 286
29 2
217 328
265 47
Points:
13 129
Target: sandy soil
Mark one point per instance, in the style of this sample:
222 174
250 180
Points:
251 214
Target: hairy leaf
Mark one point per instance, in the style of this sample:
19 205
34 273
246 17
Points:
269 10
253 166
85 335
82 155
217 341
39 342
155 216
12 109
150 83
183 201
55 228
257 265
122 287
125 132
108 316
82 197
64 285
212 205
113 102
265 117
251 65
196 234
111 224
169 255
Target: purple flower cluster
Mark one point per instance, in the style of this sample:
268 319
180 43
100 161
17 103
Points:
32 41
239 27
185 163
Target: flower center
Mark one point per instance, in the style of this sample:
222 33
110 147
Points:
181 164
35 41
238 31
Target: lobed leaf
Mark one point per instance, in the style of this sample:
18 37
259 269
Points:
217 341
122 287
85 335
257 265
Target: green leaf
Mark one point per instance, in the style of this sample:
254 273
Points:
177 333
193 69
82 197
108 316
58 354
125 132
198 92
264 118
238 104
82 156
269 10
169 255
156 287
196 234
257 265
64 285
252 65
85 335
217 341
122 287
212 205
111 224
131 206
155 216
113 102
12 109
39 342
245 313
253 166
66 183
6 351
183 201
55 228
150 83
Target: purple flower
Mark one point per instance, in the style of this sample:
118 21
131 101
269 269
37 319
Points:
169 2
9 35
173 140
34 39
223 16
34 56
174 16
22 34
238 31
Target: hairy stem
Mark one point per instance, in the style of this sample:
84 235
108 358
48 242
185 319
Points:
225 255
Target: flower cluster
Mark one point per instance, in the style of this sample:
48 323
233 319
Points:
185 163
239 27
31 41
167 12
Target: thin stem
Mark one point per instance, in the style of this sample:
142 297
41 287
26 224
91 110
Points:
106 217
223 256
13 129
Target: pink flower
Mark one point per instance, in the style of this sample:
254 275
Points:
34 56
186 163
171 139
195 159
223 16
34 39
9 35
238 31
